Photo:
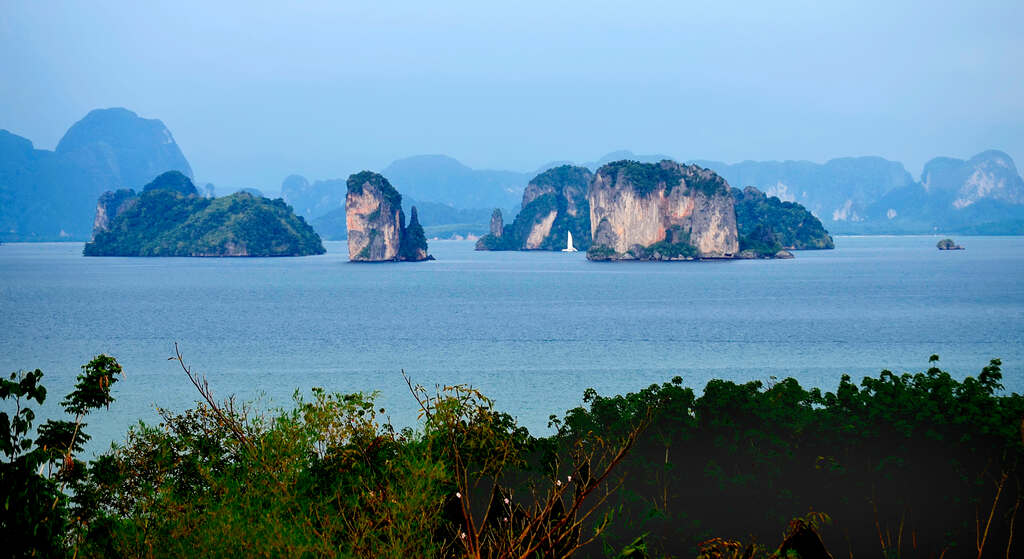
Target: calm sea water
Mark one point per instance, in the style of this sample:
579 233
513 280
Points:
533 330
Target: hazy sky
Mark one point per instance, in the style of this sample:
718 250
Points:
253 93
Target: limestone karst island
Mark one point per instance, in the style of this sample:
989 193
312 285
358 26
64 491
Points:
653 211
377 231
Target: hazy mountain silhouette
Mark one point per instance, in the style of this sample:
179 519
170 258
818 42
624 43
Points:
50 195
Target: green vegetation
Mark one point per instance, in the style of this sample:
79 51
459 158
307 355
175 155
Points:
563 175
533 213
763 241
569 185
414 240
665 250
491 242
165 222
173 181
791 224
899 465
46 491
601 252
364 254
579 225
646 178
356 181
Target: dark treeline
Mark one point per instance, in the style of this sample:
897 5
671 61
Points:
911 465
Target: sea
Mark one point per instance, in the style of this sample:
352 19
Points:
532 330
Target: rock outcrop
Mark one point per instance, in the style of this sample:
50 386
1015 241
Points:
948 244
662 211
554 204
110 205
414 240
497 223
376 223
170 218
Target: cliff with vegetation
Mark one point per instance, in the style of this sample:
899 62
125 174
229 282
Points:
554 204
170 218
660 211
767 225
376 223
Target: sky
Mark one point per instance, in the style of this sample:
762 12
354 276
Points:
253 92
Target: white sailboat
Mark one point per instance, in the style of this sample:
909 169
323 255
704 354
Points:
568 244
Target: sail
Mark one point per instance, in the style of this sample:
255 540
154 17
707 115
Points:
568 243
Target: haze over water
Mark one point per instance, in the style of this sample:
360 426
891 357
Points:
532 329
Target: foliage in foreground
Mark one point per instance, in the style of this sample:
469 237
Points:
906 465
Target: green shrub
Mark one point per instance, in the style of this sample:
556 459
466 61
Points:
904 465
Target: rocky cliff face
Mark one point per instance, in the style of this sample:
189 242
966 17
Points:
554 204
497 223
375 221
660 211
111 205
988 175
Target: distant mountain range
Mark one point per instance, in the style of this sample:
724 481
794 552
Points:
50 195
871 195
452 199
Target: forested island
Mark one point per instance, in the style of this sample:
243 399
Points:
170 218
914 465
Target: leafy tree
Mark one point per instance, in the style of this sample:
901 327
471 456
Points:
38 517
